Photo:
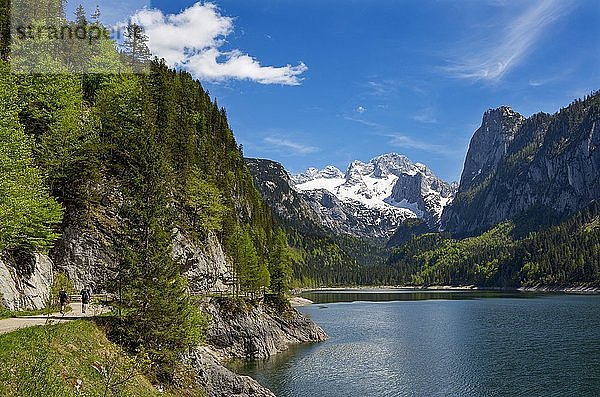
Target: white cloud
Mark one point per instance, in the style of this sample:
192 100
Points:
363 122
290 146
506 49
193 40
382 88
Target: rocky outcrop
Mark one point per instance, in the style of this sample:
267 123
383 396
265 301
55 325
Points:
243 330
490 144
204 265
246 330
218 381
86 256
546 164
276 189
89 258
25 281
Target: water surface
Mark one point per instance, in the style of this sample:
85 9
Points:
458 343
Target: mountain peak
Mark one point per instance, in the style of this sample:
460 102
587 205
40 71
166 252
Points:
312 173
489 144
501 116
388 187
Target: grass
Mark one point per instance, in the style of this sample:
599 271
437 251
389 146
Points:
5 313
72 359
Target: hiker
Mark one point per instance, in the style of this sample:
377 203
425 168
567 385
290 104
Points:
63 298
85 299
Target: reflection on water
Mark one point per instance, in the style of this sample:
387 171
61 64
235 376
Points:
436 343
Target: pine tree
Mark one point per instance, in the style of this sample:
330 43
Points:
280 263
65 142
80 17
135 48
96 16
160 319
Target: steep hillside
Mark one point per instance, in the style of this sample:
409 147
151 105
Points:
74 359
131 183
563 256
545 165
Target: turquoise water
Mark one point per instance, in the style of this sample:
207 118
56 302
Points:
385 343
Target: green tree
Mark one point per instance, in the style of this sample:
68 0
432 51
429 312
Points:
28 215
251 272
135 48
160 319
205 203
280 262
64 134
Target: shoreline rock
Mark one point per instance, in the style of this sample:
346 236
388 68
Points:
244 330
219 381
257 331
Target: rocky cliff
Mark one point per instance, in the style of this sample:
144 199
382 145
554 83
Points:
517 166
218 381
276 189
243 330
25 281
87 251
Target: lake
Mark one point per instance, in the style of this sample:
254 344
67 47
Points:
387 343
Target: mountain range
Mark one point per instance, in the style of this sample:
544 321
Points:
544 166
369 200
541 168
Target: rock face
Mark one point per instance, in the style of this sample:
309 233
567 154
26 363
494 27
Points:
87 256
205 266
250 332
25 286
546 164
218 381
239 329
490 144
276 189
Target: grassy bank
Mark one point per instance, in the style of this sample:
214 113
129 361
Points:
72 359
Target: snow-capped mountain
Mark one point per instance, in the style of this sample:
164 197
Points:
372 199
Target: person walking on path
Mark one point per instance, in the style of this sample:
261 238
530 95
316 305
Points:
63 298
85 299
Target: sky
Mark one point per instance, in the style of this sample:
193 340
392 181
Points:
316 82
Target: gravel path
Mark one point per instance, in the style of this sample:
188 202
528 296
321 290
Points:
12 324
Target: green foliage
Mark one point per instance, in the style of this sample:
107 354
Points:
28 215
4 312
205 203
319 259
160 320
506 256
136 52
70 359
251 271
280 262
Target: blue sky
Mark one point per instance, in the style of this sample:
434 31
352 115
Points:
315 82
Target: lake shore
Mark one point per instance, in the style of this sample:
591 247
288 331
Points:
570 289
